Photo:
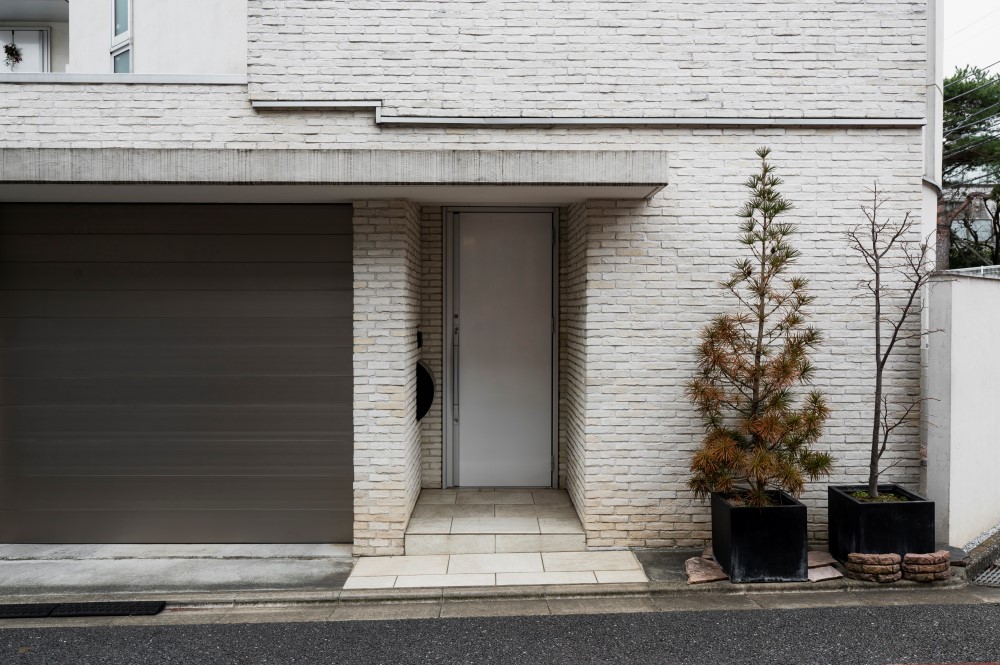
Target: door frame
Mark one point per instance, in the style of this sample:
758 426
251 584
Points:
451 447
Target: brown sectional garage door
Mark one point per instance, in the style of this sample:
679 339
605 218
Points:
175 373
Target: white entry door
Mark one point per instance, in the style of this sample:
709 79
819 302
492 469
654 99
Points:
502 344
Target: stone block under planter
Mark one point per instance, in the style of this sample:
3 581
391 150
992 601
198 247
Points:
929 567
882 568
760 544
879 528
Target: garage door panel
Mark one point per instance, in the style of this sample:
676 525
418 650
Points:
186 526
176 374
34 421
176 492
180 304
323 454
201 391
170 361
133 276
175 219
156 332
170 248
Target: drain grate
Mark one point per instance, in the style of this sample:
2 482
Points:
990 576
26 611
38 610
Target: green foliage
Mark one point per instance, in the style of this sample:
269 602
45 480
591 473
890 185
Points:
757 433
883 497
971 133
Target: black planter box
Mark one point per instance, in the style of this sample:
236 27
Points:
879 528
760 544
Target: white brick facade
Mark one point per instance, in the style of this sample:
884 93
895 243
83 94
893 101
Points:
638 278
432 327
589 58
386 314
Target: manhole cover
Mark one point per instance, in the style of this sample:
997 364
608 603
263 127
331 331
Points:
990 576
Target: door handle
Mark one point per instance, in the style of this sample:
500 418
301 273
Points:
454 376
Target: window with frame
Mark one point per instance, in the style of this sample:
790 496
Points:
32 46
121 36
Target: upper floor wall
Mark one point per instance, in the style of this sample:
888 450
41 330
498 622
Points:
588 58
158 37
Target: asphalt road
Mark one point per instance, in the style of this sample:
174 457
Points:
846 635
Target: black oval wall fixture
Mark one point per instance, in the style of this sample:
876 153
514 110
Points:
425 390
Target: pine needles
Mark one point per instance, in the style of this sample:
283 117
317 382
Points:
757 433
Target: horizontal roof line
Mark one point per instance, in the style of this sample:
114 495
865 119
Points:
607 121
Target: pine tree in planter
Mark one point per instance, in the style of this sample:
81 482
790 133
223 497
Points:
756 450
885 518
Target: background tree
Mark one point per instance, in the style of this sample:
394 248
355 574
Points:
899 268
757 434
971 151
971 167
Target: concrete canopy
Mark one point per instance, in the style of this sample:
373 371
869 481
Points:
553 177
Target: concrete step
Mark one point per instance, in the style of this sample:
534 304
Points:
493 521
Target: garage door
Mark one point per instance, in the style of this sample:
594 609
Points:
175 373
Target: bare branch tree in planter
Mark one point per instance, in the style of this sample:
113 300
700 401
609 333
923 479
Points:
885 518
756 450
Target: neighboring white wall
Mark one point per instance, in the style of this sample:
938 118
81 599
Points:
190 36
59 53
177 37
89 37
963 391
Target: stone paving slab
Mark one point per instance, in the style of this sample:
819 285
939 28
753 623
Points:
496 569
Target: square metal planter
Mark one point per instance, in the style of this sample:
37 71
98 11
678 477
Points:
879 528
761 544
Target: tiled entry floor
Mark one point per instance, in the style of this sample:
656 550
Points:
473 521
499 537
509 568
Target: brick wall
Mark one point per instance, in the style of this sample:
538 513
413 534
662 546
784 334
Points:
591 58
431 324
386 317
572 355
651 274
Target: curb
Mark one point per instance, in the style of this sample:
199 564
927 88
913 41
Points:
265 598
983 556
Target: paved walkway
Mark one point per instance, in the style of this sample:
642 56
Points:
495 537
31 571
486 570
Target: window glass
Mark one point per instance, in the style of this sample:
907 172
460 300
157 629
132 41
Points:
123 62
121 17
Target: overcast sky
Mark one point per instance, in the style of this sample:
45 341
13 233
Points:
971 34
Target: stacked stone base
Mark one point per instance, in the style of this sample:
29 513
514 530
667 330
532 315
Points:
887 568
883 568
932 567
